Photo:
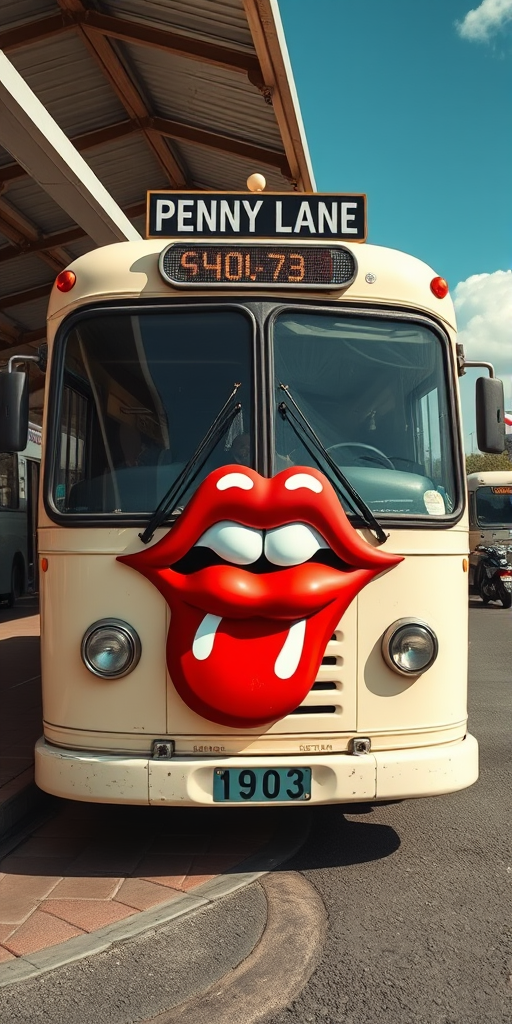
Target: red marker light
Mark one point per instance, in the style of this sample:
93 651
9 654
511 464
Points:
439 287
65 281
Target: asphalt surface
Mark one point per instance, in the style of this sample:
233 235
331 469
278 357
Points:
146 975
419 894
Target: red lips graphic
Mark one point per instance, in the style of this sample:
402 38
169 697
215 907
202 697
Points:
246 639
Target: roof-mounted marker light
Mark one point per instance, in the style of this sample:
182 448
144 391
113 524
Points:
66 280
256 183
439 287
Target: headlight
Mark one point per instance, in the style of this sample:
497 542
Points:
409 646
110 648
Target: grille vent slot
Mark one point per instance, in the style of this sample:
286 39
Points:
315 709
328 685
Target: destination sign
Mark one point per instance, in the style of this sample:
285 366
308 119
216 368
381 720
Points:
247 265
295 215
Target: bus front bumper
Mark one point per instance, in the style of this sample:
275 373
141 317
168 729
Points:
186 781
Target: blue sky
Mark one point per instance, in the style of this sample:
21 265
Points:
410 101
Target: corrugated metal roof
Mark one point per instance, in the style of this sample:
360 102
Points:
154 94
17 12
125 167
212 170
37 206
210 19
24 272
30 314
205 96
65 78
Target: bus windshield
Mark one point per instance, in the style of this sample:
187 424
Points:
139 393
494 506
374 390
141 388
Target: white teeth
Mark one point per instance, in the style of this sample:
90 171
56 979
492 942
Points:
292 544
203 640
235 543
303 480
288 660
235 480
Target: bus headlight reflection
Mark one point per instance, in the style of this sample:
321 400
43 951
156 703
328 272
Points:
110 648
409 646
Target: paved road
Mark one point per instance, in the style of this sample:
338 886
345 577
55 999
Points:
419 893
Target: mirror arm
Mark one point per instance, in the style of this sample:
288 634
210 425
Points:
23 359
486 366
462 363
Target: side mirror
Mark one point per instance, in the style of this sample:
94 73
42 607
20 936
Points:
490 415
13 411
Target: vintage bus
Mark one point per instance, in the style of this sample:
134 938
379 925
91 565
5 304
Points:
253 526
490 510
19 489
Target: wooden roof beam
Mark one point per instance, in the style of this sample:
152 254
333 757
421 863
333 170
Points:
22 232
269 40
137 32
222 143
60 238
28 295
49 242
159 126
34 139
105 56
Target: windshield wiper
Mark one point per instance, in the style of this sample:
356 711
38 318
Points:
185 479
303 429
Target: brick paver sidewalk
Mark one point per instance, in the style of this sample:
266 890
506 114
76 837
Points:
94 864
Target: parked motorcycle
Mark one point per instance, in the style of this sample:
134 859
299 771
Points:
490 575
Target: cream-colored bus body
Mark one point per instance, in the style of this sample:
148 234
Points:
98 735
492 535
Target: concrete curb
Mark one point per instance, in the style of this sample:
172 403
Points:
287 841
279 966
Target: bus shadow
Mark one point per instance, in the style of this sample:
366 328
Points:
162 844
336 840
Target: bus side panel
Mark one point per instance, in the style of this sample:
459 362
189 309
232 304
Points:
435 590
77 590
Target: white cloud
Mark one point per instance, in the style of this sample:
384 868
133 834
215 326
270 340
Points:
482 22
483 304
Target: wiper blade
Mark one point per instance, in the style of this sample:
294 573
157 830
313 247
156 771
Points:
303 429
185 479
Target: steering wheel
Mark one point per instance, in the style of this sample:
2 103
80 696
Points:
383 459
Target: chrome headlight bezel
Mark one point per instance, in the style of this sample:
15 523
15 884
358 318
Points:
128 633
402 626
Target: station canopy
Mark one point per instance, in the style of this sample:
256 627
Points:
101 101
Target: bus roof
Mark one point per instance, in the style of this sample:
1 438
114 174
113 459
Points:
129 270
495 479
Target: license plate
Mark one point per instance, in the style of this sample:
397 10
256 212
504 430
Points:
507 582
263 785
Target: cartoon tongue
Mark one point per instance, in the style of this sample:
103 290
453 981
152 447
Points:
245 672
257 574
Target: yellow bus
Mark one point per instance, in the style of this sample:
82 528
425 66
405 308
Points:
253 528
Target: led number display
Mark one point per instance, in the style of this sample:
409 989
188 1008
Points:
277 266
